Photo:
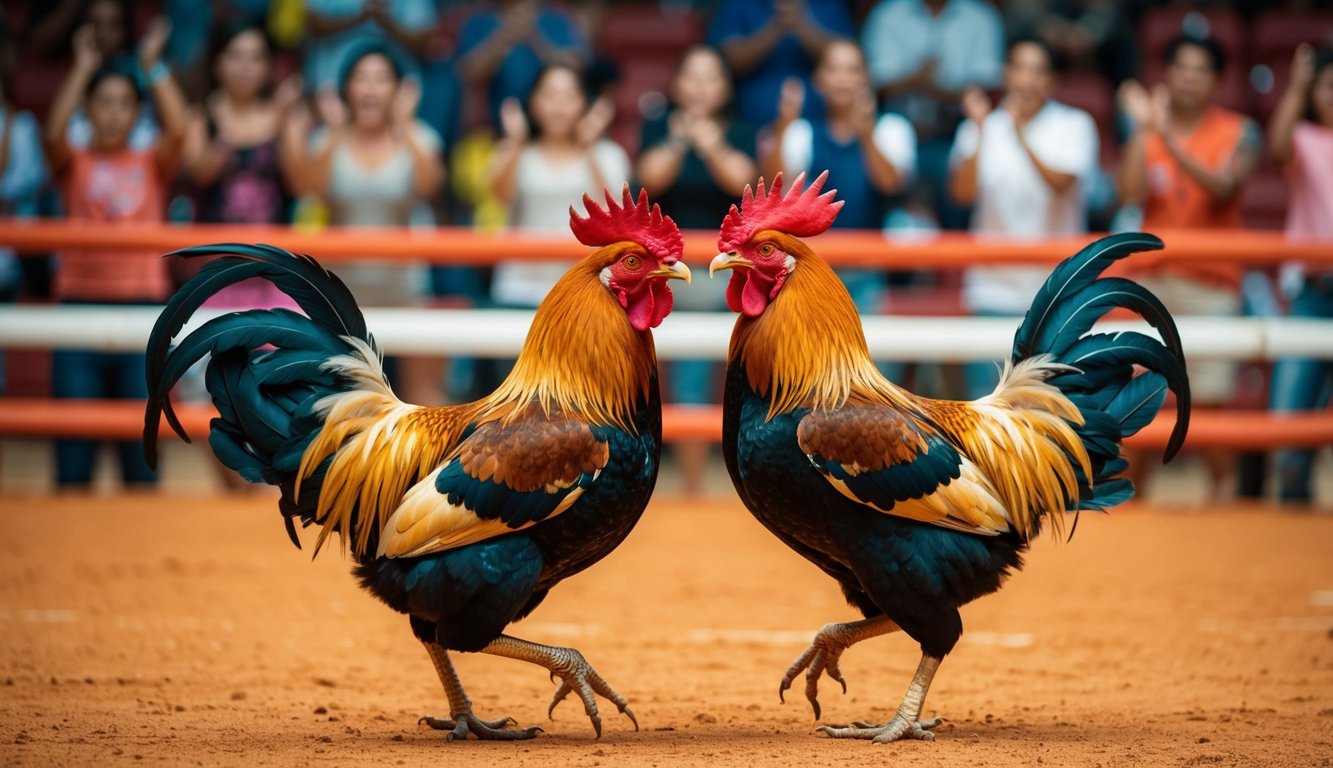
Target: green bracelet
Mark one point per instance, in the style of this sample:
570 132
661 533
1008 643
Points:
158 73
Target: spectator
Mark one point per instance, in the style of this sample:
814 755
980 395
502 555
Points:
696 161
551 154
504 50
1024 167
112 25
922 55
767 42
50 26
110 181
1086 35
1301 139
336 29
1186 163
242 152
867 157
188 49
375 165
22 176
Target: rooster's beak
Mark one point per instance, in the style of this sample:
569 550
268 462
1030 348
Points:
676 271
728 260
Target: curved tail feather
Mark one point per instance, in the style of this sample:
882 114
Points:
268 368
1100 374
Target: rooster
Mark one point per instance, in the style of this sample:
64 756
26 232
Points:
918 506
462 517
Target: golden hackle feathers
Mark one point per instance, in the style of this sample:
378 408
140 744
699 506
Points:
581 357
808 348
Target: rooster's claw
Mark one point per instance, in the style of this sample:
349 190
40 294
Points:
465 724
577 675
821 657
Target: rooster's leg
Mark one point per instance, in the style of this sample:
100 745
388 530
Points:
463 722
906 723
826 650
575 673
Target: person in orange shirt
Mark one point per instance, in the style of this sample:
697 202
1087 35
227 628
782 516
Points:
1185 165
109 181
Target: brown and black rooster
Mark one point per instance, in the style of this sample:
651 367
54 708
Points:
462 517
918 506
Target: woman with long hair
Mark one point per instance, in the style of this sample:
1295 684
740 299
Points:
696 160
242 152
552 153
376 165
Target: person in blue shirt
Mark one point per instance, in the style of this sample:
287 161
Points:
868 156
767 42
503 50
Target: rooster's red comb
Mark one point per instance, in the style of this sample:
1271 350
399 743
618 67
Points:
632 220
802 213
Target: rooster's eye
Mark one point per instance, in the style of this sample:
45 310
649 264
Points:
631 262
766 249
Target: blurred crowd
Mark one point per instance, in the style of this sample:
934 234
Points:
1015 117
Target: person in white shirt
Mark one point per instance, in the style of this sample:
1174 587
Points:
922 55
1024 167
545 163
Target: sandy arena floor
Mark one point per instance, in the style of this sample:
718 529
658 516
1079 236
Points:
185 630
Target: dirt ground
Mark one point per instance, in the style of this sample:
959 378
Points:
185 630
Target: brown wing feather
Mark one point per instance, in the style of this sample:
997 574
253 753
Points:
531 455
870 438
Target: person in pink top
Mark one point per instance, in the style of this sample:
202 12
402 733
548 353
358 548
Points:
1301 139
110 181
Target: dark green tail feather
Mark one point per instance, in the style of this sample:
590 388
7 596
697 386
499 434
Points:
266 371
1114 402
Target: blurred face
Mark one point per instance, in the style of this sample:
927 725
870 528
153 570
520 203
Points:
242 67
701 84
1027 79
558 103
841 75
1321 96
370 90
1190 78
108 21
112 109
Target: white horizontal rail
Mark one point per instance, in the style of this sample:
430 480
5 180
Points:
500 333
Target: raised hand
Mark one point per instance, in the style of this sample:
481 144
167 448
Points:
86 56
705 134
519 21
1302 68
592 126
332 111
787 14
404 108
791 100
864 113
287 95
1161 107
153 43
976 105
513 122
1136 103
